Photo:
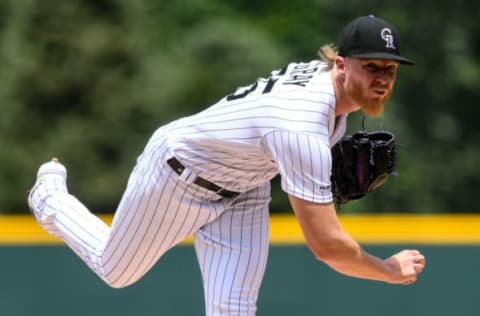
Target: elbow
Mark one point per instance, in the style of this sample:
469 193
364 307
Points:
324 250
335 251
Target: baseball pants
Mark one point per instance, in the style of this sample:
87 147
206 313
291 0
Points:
158 210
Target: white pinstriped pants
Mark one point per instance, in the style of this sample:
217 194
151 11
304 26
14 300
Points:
156 212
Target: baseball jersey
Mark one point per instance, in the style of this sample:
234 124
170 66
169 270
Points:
284 124
281 124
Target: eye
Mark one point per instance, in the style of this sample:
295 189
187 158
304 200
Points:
392 68
370 67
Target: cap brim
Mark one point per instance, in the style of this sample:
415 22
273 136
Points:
388 56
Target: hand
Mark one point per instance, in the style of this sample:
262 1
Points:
405 266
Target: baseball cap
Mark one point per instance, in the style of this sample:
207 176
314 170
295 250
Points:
371 37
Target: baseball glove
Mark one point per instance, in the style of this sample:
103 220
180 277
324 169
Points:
361 163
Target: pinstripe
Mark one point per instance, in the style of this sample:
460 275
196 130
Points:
134 195
275 126
247 129
217 252
227 249
208 253
251 246
252 105
312 165
69 217
221 261
292 163
236 265
143 244
160 247
229 258
301 165
141 213
211 281
68 228
269 118
121 216
270 102
66 202
284 151
261 117
179 230
262 257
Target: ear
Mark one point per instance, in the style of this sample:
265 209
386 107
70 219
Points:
340 63
340 68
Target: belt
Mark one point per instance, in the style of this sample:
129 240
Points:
201 182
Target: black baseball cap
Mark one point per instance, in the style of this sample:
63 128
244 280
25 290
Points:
371 37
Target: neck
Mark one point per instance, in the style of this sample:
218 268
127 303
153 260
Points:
343 102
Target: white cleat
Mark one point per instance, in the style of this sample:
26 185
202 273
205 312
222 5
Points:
51 176
52 168
51 180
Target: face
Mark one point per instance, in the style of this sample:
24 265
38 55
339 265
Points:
369 82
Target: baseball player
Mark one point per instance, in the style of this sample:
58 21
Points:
209 175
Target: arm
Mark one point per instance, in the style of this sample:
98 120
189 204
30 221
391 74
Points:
332 245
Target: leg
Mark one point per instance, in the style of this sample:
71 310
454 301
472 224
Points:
156 212
232 252
80 229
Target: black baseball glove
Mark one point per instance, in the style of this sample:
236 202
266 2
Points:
361 163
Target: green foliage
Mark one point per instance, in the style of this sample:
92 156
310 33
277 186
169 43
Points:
89 81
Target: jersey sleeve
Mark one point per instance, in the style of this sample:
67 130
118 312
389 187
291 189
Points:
304 163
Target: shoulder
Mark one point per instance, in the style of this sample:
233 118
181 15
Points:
305 76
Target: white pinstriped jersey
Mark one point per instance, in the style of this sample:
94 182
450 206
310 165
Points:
282 124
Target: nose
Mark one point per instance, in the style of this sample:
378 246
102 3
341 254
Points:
382 77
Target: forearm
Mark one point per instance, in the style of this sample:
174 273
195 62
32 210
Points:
345 255
332 245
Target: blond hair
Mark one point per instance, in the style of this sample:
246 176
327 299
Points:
327 53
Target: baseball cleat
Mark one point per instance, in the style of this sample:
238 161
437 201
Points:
51 179
53 167
51 172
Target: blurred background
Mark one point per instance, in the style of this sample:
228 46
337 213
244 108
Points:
89 81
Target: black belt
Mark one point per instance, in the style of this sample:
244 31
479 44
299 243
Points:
179 168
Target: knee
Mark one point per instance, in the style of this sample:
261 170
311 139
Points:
116 282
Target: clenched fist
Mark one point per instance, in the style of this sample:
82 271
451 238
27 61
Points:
405 266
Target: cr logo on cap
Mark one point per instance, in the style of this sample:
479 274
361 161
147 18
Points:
387 36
